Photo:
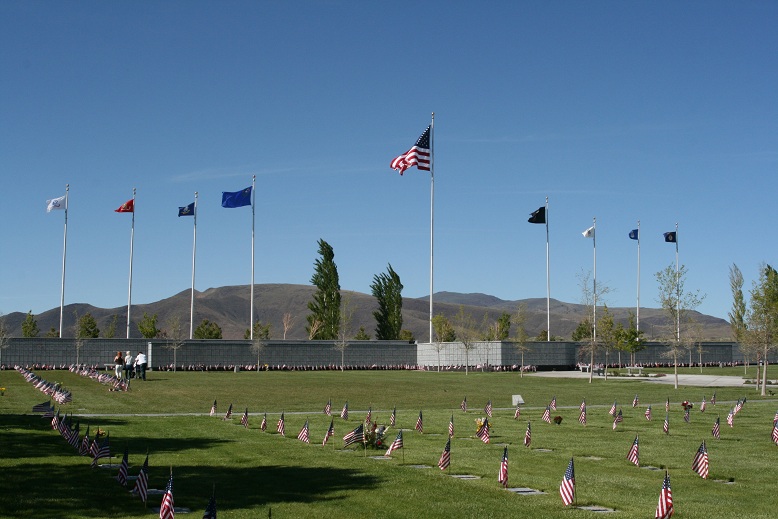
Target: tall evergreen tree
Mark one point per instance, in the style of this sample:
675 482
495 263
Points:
387 290
325 307
30 326
87 327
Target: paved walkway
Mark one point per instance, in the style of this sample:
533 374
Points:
683 380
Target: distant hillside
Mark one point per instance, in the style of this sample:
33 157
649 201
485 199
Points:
229 308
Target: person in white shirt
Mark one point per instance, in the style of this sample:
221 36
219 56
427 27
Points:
128 368
140 366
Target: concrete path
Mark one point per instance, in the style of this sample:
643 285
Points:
683 380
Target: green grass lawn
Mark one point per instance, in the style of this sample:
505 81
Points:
254 472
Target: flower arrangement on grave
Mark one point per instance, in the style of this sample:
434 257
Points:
479 424
375 435
558 420
2 391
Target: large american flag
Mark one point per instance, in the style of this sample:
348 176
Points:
396 444
419 424
355 436
488 409
664 510
567 488
122 476
303 434
167 509
503 475
633 454
419 155
445 458
330 432
280 427
483 432
700 462
716 431
142 483
528 435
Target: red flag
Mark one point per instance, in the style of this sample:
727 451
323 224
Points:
126 207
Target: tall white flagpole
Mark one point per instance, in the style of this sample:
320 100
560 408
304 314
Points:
64 255
432 212
548 284
678 290
594 314
253 198
637 308
194 252
132 241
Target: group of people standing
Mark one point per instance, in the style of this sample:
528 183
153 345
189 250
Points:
127 367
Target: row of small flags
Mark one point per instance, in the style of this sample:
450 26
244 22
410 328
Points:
53 390
102 449
117 384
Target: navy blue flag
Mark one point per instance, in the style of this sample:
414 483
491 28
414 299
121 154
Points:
236 198
634 234
670 237
187 211
538 216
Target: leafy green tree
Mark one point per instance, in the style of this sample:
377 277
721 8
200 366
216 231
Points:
52 333
763 318
407 335
609 334
677 303
632 340
387 289
444 332
87 327
466 332
260 330
362 335
738 316
30 326
325 307
148 326
500 330
110 331
584 331
207 330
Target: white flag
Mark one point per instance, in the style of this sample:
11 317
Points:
55 203
589 233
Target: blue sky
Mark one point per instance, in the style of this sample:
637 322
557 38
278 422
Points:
661 112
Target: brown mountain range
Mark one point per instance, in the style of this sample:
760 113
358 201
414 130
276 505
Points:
229 308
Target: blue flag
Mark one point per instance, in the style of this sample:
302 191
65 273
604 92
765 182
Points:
634 234
236 198
187 211
670 237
